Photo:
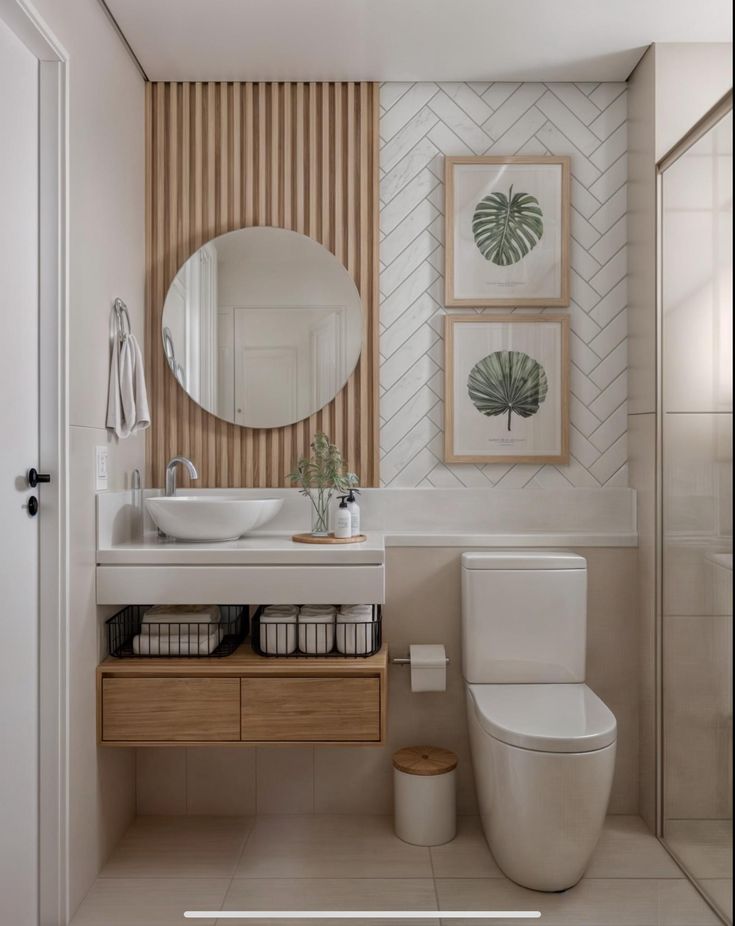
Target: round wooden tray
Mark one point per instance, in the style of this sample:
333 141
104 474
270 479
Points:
310 538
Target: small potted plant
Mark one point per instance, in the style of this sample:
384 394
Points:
319 477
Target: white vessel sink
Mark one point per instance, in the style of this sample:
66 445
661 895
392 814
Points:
213 518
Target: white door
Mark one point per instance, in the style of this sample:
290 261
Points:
265 385
19 428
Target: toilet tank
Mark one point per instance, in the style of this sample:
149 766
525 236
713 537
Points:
524 617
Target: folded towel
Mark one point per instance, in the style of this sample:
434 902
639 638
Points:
182 614
127 397
185 630
192 644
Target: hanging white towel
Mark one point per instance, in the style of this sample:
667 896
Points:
127 399
142 413
127 382
115 420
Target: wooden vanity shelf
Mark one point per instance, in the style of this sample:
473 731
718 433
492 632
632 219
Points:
243 698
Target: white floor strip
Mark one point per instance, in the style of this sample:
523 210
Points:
363 914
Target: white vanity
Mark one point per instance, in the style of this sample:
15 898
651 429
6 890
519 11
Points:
243 698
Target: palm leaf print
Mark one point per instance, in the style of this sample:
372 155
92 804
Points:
507 381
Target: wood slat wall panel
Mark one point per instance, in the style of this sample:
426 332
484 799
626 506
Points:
221 156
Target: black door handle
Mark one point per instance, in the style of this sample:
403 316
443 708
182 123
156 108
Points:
33 506
34 477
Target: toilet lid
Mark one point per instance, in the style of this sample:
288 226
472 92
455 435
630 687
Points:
547 718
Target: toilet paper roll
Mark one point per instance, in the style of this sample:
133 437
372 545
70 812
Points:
428 667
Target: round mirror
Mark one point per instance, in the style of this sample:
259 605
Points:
262 327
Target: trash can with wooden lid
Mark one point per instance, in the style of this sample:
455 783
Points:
424 795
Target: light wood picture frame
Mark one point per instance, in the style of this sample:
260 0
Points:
506 389
484 265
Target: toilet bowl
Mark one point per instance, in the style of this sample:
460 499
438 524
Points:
542 742
543 757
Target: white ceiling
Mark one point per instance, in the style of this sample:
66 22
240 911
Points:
580 40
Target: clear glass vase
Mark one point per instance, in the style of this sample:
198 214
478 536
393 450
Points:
321 502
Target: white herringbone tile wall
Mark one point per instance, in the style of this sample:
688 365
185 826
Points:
421 123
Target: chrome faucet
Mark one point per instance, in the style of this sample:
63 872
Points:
171 473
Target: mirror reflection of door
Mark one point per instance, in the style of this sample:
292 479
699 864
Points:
327 352
286 361
271 374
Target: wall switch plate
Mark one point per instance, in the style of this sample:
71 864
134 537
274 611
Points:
100 467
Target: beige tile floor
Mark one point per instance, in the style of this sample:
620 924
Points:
705 848
165 865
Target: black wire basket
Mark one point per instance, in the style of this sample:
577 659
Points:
348 639
128 636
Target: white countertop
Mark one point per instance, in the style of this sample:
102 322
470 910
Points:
505 540
257 549
264 549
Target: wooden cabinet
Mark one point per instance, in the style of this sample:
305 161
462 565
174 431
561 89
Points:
328 710
243 698
179 710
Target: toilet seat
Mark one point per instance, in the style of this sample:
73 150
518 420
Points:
566 718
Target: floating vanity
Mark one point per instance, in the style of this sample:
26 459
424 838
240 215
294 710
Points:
244 697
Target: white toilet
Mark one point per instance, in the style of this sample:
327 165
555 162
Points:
542 743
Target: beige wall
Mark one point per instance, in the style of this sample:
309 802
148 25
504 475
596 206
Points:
106 259
422 606
690 79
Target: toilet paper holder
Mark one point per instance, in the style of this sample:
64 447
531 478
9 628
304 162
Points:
406 661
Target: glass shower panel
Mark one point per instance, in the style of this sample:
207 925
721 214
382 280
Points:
696 405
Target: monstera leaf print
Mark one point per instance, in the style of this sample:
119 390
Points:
507 228
507 381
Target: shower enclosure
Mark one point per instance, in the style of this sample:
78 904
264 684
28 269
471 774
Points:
695 505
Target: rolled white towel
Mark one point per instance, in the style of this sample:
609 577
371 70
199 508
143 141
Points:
186 644
355 612
289 610
278 630
318 610
355 631
316 630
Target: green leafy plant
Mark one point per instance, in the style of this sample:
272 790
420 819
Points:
507 228
320 476
507 381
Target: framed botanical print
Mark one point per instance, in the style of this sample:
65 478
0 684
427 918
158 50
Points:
506 389
507 231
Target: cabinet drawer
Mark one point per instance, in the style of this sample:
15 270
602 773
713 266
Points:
165 710
310 709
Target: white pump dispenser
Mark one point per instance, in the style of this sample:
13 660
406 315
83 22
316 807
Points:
343 521
354 510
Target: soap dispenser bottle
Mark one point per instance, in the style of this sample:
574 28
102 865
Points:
354 510
343 521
